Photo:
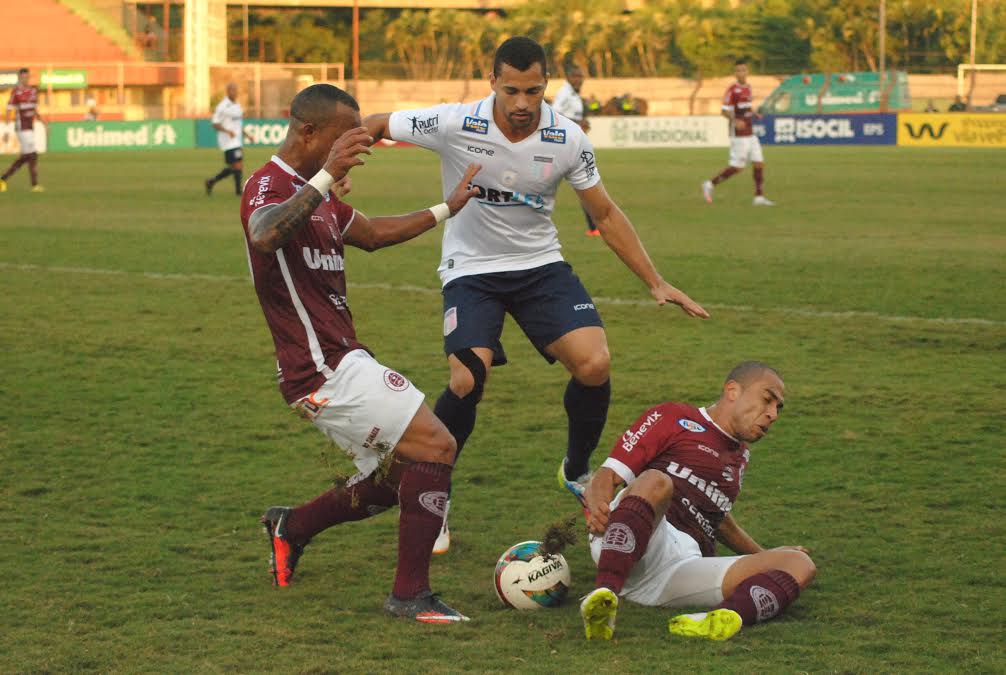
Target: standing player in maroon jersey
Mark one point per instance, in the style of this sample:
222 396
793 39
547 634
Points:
22 109
655 542
744 145
295 230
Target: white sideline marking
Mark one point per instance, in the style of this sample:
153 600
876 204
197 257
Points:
407 288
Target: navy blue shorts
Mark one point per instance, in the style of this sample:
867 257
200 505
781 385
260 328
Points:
546 302
233 155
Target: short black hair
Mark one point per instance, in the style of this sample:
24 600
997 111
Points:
745 371
314 103
741 62
22 71
520 52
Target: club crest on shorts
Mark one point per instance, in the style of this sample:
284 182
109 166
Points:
434 502
691 425
395 381
619 537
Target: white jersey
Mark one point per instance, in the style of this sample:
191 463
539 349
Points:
508 226
567 102
229 115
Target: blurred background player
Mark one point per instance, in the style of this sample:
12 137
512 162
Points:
296 229
22 109
655 543
501 255
568 102
744 145
228 120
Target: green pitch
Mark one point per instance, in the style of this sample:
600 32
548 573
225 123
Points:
142 433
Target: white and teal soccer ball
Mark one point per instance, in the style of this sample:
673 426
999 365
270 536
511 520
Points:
528 579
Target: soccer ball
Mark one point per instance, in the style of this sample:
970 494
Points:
528 579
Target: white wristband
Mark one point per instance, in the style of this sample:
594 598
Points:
322 182
441 212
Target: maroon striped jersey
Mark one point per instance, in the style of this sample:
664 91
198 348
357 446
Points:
302 286
706 464
24 101
739 99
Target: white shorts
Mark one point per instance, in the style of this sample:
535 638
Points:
364 408
672 572
27 140
744 149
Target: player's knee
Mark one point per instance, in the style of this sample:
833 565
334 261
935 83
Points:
445 448
801 567
594 369
468 375
656 487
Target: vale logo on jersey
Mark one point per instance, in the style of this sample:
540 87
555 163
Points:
691 426
476 125
553 136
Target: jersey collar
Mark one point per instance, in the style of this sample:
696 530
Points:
484 109
286 167
710 420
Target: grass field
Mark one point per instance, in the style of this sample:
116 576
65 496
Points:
142 433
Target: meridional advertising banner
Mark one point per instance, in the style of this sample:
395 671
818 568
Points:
841 129
704 131
152 134
969 130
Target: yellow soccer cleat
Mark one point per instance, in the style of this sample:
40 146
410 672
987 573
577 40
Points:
37 188
598 610
3 185
719 624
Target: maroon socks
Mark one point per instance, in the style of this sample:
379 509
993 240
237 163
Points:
422 495
763 596
759 180
629 528
354 501
724 174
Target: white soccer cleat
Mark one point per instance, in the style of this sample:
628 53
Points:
599 609
443 542
762 200
707 191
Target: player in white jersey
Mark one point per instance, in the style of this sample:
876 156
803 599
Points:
501 254
228 120
569 103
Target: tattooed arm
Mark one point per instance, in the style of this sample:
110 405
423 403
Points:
271 226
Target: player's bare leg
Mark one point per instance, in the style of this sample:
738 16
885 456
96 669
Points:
707 186
756 588
429 451
758 169
584 353
456 408
626 537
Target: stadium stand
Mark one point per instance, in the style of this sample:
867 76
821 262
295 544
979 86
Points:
46 30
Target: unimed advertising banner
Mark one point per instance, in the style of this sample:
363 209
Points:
976 130
705 131
152 134
857 129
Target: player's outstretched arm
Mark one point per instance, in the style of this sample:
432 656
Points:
733 536
598 495
371 234
621 237
271 226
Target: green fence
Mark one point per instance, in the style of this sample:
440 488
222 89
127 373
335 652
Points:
153 134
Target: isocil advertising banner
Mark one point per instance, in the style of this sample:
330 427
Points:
968 130
858 129
152 134
257 132
703 131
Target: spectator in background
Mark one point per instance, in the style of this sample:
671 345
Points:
931 107
568 102
92 110
958 105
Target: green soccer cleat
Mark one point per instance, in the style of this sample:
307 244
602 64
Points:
719 624
598 610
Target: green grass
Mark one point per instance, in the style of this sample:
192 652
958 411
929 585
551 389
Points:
141 432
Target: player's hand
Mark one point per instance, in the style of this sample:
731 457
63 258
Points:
665 293
343 187
597 508
464 190
345 152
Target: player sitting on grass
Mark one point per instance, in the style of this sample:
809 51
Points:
655 542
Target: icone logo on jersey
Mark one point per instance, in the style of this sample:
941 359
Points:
690 425
479 150
492 196
553 136
476 125
315 259
630 438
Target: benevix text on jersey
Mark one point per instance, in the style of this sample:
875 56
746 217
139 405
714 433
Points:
629 440
507 197
710 489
